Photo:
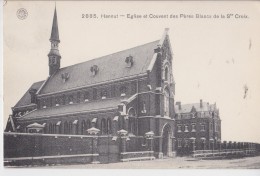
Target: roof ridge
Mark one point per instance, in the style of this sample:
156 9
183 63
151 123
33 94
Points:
109 54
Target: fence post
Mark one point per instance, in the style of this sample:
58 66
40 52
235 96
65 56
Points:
94 131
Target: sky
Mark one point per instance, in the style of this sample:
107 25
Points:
214 59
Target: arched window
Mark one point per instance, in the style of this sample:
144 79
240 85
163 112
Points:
132 121
166 74
70 128
83 127
103 126
88 124
166 102
66 128
109 131
50 128
54 128
77 128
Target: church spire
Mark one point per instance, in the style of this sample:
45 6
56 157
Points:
54 54
55 29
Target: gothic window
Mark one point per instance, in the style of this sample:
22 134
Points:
166 74
88 124
66 128
109 126
132 121
166 103
50 128
83 127
70 128
54 128
77 128
103 126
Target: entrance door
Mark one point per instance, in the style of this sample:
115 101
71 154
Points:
167 142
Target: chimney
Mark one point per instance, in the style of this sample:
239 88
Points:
33 95
201 103
179 104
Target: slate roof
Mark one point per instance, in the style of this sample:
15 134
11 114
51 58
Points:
186 108
26 99
111 67
74 108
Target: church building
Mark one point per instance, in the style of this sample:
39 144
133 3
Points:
131 90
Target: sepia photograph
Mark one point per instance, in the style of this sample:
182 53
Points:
131 85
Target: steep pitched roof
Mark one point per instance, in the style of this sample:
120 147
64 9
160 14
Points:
74 108
186 108
55 29
26 99
110 67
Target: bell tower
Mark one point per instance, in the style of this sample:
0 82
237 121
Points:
54 55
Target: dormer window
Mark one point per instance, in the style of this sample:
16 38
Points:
123 91
129 61
94 69
158 49
65 77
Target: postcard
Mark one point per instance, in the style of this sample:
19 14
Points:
131 85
